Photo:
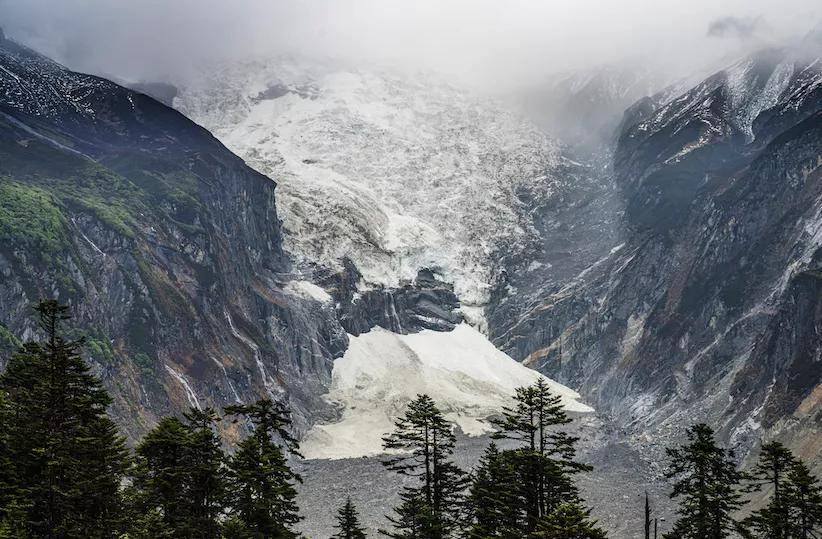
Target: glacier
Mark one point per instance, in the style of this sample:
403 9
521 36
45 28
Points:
395 173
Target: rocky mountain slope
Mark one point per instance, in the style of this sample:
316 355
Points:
166 245
169 248
710 309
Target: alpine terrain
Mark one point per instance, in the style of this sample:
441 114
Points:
358 242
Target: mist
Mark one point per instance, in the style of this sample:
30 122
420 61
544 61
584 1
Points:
498 44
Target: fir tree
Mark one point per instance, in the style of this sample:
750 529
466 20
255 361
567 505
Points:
263 497
206 486
546 459
234 528
179 480
493 500
803 496
775 463
66 457
424 441
707 481
161 479
568 521
415 518
348 522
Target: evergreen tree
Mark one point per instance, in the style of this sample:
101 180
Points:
546 460
775 463
803 496
179 485
414 518
568 521
234 528
263 497
348 522
161 476
707 481
207 488
423 441
66 458
494 497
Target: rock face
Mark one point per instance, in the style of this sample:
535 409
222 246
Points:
165 244
710 308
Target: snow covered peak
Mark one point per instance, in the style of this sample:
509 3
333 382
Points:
396 174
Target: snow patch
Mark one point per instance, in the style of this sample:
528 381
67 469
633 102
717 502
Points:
382 371
307 290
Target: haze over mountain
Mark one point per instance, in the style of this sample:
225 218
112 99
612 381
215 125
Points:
626 208
502 45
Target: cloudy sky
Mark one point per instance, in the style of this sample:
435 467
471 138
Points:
479 41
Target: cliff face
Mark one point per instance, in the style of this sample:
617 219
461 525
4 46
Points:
709 310
165 244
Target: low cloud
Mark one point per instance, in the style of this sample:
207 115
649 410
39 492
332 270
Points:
736 27
483 42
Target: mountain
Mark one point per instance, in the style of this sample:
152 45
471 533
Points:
420 195
710 307
172 255
166 245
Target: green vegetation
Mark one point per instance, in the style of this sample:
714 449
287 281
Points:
348 522
101 351
144 363
63 461
31 218
8 341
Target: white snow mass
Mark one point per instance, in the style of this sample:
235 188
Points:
382 371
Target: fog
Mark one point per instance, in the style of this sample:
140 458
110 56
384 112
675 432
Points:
501 43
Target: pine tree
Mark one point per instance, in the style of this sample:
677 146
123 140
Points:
775 463
707 481
803 496
263 497
547 456
424 441
66 456
348 522
647 516
161 478
414 518
568 521
206 488
179 485
493 500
